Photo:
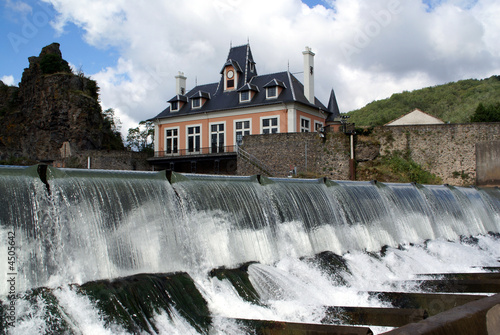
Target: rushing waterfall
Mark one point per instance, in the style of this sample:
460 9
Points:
72 227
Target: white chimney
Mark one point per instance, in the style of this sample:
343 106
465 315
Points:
180 84
309 74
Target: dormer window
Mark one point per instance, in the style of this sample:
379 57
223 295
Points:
247 92
174 106
177 102
199 99
274 88
230 74
196 103
244 96
271 92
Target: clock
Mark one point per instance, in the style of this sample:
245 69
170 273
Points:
230 74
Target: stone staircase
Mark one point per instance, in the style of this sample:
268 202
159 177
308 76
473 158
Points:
251 159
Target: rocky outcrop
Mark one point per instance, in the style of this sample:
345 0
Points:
52 106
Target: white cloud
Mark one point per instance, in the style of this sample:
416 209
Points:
364 50
8 80
18 6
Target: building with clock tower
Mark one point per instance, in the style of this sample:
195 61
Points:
202 129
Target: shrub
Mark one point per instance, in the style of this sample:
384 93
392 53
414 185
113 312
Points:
51 63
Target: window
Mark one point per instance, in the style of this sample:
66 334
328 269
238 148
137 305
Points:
270 125
172 141
318 125
230 77
196 103
242 129
194 138
272 92
217 137
174 106
305 125
244 96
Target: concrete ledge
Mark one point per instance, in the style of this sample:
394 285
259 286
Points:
433 303
374 316
475 318
266 327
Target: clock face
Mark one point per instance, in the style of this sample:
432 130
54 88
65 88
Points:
230 74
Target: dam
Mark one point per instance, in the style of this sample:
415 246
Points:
122 252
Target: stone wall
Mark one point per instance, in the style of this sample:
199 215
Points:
447 150
306 153
106 160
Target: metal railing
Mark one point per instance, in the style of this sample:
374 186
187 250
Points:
213 150
256 162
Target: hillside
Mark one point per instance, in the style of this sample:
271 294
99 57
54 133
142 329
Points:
453 102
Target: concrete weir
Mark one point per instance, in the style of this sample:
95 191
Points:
456 312
130 252
477 317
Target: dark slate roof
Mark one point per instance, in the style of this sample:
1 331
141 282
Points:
275 82
248 87
234 63
333 108
293 89
179 98
200 94
242 59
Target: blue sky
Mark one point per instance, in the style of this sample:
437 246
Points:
25 33
365 50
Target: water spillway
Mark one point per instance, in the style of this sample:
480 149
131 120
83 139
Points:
76 227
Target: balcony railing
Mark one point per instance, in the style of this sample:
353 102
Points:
213 150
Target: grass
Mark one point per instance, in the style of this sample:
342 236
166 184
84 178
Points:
396 167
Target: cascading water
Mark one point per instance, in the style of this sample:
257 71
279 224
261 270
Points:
76 228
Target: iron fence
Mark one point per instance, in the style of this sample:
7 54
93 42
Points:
213 150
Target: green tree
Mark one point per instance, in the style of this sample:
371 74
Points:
111 128
488 113
111 120
141 138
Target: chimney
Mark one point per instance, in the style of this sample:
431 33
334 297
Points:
180 84
309 74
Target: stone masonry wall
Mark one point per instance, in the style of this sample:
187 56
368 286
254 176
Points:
447 150
308 153
106 160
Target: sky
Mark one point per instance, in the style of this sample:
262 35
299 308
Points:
365 50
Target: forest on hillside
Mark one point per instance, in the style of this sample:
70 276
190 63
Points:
454 102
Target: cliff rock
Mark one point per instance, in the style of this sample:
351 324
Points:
52 107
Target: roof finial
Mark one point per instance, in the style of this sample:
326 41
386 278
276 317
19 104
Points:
248 40
288 66
230 44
